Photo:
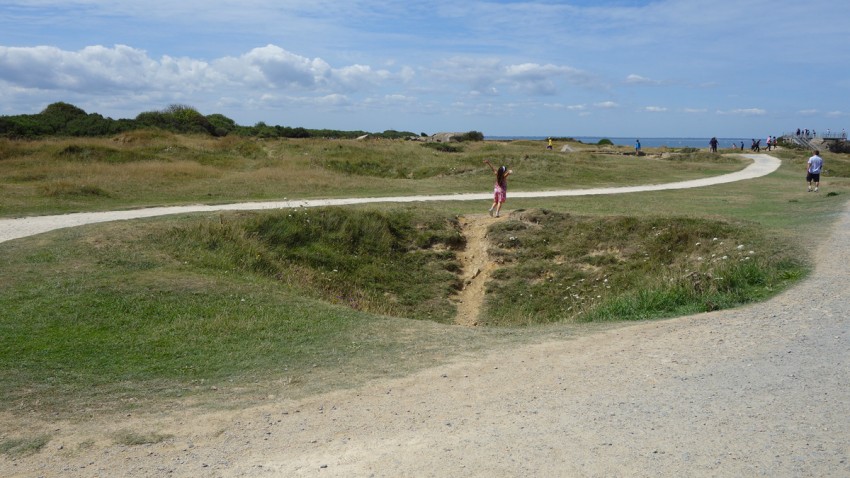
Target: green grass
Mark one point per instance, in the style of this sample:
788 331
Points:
224 308
16 447
134 438
397 263
559 267
142 169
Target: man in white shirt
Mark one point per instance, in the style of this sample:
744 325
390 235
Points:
813 168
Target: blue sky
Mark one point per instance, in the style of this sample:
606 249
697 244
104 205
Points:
687 68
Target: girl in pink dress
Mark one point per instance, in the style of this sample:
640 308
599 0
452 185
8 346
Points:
500 188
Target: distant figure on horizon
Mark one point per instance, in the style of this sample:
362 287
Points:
637 147
756 145
769 142
742 145
550 144
713 144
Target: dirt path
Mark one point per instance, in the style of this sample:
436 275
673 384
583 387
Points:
476 268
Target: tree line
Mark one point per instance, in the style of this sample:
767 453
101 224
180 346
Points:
63 119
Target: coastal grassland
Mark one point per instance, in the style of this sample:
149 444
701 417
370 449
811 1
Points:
154 168
220 309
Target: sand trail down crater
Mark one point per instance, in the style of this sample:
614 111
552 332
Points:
476 268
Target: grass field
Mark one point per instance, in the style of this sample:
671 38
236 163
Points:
229 307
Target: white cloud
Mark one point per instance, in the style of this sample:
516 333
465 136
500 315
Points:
94 68
744 112
655 109
99 70
640 80
607 105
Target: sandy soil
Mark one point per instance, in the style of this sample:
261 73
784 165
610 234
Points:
476 268
757 391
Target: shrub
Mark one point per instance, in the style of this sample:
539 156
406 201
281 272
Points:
444 147
839 147
472 136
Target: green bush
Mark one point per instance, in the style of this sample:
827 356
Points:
472 136
443 147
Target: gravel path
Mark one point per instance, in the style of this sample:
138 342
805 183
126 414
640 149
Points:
27 226
756 391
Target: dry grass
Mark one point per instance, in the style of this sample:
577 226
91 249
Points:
142 169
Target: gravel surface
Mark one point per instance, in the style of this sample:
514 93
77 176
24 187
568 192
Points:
756 391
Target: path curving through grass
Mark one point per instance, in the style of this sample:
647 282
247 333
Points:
28 226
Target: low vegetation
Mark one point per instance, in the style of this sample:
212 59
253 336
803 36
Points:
225 306
15 447
399 263
558 267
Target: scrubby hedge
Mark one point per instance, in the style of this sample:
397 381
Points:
63 119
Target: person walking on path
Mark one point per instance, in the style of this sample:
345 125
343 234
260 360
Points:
500 188
813 169
549 146
637 147
713 144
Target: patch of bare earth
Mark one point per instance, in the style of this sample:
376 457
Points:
476 269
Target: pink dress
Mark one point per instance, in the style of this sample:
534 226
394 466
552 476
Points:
500 192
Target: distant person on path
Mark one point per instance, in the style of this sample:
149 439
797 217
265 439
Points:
500 188
550 144
637 147
713 144
813 169
769 142
742 145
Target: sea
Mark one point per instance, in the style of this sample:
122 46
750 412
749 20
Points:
646 142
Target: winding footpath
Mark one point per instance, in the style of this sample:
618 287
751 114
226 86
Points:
760 390
27 226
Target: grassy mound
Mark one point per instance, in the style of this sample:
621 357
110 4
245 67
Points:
399 263
558 267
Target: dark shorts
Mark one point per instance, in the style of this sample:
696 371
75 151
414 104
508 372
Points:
813 177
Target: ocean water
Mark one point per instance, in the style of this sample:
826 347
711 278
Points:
723 143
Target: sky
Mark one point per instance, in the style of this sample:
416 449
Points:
616 68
